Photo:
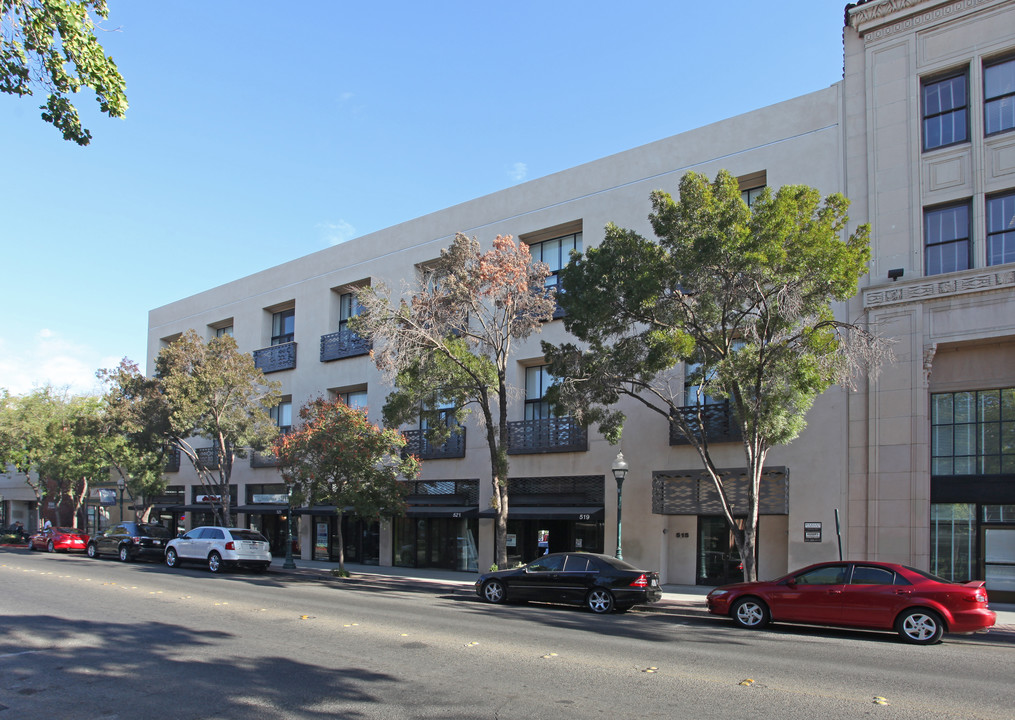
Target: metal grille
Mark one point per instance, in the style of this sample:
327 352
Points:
417 444
467 489
691 492
260 459
173 460
586 489
547 435
716 419
276 357
208 457
343 344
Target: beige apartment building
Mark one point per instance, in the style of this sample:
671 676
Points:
918 466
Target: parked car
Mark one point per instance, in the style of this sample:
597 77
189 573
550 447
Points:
130 541
600 582
58 538
220 548
867 595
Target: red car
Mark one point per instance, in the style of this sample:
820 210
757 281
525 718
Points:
58 538
867 595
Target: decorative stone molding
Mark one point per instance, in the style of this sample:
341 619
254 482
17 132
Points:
935 288
928 360
876 16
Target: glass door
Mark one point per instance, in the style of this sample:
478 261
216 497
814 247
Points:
718 558
999 562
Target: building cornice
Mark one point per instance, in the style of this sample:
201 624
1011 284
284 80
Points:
939 287
877 20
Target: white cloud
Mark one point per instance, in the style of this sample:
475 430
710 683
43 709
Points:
338 232
518 171
48 359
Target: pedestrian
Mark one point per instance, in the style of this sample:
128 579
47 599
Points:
47 525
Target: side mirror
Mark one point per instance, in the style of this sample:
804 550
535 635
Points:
791 583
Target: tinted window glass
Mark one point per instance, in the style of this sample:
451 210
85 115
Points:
546 564
828 575
247 535
863 575
615 563
576 563
156 531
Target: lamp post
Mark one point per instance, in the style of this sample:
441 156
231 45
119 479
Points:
121 484
289 564
619 473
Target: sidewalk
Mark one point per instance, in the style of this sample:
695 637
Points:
677 599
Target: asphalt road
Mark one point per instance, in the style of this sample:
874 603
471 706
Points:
99 639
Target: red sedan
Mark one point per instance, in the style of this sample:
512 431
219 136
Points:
867 595
58 538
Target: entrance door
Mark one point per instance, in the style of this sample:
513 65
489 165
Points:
718 558
999 562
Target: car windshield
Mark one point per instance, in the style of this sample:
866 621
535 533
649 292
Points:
247 535
67 531
155 531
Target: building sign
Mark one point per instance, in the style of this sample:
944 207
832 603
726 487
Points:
512 540
105 496
278 498
321 538
812 532
208 498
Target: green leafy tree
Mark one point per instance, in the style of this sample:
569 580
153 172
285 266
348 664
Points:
215 392
744 295
51 45
335 456
136 421
450 343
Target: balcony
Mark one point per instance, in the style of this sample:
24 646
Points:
172 460
716 419
275 358
259 459
208 457
417 444
343 344
547 435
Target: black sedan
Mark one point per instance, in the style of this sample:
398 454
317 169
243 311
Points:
600 582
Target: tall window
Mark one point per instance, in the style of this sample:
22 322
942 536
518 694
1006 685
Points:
973 433
952 540
1001 229
348 307
945 112
946 231
556 253
223 331
537 382
999 97
283 326
282 414
355 399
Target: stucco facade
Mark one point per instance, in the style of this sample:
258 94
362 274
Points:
865 454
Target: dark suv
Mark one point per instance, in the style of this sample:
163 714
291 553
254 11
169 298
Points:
131 540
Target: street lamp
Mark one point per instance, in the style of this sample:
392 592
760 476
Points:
619 473
120 483
289 564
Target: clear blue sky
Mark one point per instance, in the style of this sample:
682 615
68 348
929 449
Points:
259 132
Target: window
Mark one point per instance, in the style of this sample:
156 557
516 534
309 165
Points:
556 253
282 414
946 231
751 186
827 575
223 331
537 382
1001 229
348 307
283 326
945 112
999 97
867 575
952 540
354 399
973 433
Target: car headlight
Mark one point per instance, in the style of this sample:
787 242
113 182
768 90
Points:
718 593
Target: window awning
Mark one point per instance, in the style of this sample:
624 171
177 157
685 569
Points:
263 509
550 512
442 511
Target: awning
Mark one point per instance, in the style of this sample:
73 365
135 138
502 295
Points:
549 512
202 507
320 510
263 509
442 511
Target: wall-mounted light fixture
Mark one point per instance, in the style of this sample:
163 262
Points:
896 273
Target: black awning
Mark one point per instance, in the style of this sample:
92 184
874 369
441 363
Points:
442 511
321 510
166 506
263 509
203 507
550 512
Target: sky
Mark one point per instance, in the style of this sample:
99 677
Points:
260 132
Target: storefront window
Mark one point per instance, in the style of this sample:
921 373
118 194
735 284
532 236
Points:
952 546
973 433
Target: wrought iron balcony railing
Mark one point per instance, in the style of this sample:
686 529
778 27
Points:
173 460
547 435
265 459
275 358
716 419
208 457
417 444
343 344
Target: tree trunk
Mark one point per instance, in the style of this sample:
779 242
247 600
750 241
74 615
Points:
341 544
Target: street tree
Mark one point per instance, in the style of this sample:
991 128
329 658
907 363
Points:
50 45
450 342
336 456
136 421
743 297
216 393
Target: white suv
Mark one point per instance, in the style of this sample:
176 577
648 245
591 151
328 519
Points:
220 547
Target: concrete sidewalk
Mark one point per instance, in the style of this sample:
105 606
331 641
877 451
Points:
677 599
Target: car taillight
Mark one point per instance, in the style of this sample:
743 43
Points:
979 596
640 581
136 540
230 545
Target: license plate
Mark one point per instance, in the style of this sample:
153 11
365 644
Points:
654 582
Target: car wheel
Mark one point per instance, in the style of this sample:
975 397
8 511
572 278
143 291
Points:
214 562
124 553
172 560
599 600
31 545
920 626
92 551
750 613
50 547
494 591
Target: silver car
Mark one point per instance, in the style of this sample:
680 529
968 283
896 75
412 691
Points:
220 548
